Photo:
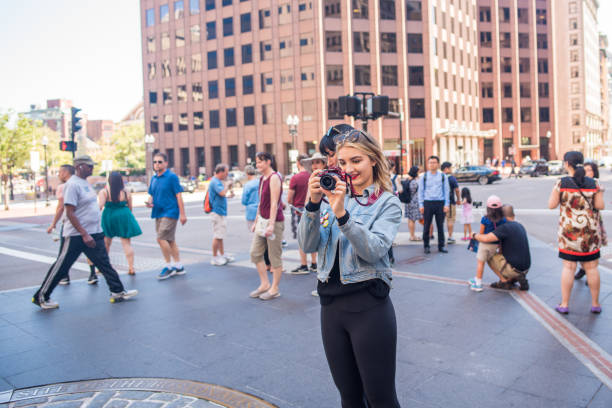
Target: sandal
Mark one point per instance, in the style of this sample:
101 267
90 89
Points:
257 292
596 309
562 310
416 239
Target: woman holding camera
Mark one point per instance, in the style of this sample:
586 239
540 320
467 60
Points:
353 236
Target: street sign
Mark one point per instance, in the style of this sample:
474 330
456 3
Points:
34 161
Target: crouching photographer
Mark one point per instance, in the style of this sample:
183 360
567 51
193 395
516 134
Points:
352 234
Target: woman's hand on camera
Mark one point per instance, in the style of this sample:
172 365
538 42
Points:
336 197
314 186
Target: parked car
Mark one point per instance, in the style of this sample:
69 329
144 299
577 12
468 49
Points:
534 168
481 174
189 186
136 187
238 177
555 167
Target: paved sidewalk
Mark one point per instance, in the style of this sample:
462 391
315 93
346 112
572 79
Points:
456 348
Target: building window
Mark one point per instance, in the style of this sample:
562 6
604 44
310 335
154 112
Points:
485 14
170 154
230 87
524 64
543 89
211 30
575 103
506 64
196 91
154 124
164 13
245 23
523 16
180 66
388 42
179 10
228 26
198 120
211 57
152 97
573 23
523 40
265 50
525 90
194 6
150 16
360 8
249 115
306 44
542 42
387 9
504 14
267 113
195 33
308 76
415 43
266 81
389 75
504 40
284 13
209 4
333 41
168 123
165 41
228 57
151 68
265 19
213 119
544 114
213 89
226 3
286 79
196 63
361 41
526 115
542 66
216 150
487 115
166 71
285 47
415 76
150 44
333 109
181 93
200 156
332 8
183 122
247 53
486 64
362 75
247 84
230 117
417 108
334 74
486 89
167 96
507 89
309 108
413 10
541 16
485 39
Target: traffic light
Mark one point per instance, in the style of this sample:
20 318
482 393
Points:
378 106
68 146
75 122
349 105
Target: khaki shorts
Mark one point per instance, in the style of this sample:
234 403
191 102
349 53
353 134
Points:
219 223
165 228
499 264
260 244
451 215
486 251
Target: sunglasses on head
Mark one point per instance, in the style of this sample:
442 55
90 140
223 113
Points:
353 136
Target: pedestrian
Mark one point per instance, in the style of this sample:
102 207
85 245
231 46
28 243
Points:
591 170
268 228
166 202
353 237
411 208
511 264
296 197
579 199
66 171
454 198
488 223
82 233
117 217
434 200
467 218
219 190
250 199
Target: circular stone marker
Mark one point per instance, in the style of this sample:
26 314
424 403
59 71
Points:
136 392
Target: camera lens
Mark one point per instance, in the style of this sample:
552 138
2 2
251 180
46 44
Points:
328 182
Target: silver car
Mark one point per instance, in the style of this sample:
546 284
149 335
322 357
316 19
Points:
136 187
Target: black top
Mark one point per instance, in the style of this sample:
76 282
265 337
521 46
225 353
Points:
514 244
453 185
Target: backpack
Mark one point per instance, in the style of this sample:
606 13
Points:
406 196
207 205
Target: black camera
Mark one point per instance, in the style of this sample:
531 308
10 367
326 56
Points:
477 204
328 182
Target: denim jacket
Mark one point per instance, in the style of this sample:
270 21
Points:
365 239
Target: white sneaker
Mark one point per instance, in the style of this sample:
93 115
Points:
229 258
219 261
46 304
126 294
315 293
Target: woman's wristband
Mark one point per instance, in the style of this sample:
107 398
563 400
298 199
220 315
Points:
312 207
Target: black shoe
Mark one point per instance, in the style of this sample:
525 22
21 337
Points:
65 281
427 250
580 274
93 279
300 270
313 268
523 284
391 261
502 285
443 250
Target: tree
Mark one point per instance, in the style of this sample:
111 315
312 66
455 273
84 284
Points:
128 141
15 143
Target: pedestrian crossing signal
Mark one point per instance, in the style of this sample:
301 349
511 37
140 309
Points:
68 146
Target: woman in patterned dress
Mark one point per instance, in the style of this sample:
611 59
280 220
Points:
578 197
411 210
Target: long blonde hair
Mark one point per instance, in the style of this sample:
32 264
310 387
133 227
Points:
380 172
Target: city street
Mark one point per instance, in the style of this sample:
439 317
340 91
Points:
455 347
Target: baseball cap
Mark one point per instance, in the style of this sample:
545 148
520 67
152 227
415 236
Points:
494 202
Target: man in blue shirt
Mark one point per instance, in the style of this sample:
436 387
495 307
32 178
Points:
167 208
218 191
434 200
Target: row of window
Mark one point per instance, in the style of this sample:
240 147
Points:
486 90
179 10
505 40
360 9
505 63
488 115
522 15
198 120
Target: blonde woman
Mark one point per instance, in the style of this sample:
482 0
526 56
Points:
353 235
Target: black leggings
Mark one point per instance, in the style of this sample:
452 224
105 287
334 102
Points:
360 348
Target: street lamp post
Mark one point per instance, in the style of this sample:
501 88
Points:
511 128
293 121
45 142
149 141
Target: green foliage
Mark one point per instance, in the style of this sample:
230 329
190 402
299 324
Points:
126 148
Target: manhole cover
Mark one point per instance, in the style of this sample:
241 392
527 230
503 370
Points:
135 392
